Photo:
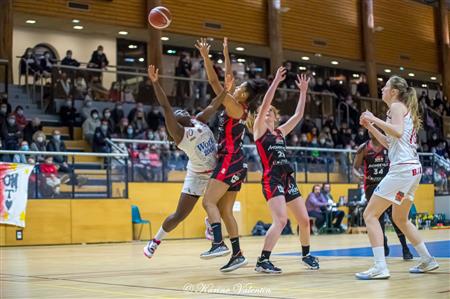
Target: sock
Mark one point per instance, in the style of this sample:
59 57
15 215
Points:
422 250
402 239
235 245
265 255
160 235
378 255
305 250
217 230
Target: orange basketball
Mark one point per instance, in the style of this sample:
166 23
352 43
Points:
159 17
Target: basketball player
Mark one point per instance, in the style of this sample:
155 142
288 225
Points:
398 186
231 169
278 183
194 137
376 165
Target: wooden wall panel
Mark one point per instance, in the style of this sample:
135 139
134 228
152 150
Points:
409 29
244 20
130 13
336 22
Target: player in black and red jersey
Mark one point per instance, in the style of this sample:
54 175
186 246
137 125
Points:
231 168
279 185
373 158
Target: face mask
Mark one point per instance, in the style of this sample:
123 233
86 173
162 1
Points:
130 131
20 112
107 114
88 104
40 139
140 109
322 140
361 133
150 136
104 128
11 121
69 56
434 137
94 116
47 56
119 107
57 137
3 110
25 147
69 104
100 52
304 139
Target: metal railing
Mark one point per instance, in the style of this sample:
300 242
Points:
105 178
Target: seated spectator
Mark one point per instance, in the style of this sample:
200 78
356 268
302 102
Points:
86 109
98 59
49 173
117 113
90 125
130 132
133 111
107 117
21 158
29 63
68 114
127 95
155 118
47 63
146 94
63 89
3 114
314 133
316 203
99 144
307 125
21 120
114 92
32 127
121 129
11 134
69 61
330 123
139 123
151 161
98 91
362 87
39 145
361 137
79 88
336 215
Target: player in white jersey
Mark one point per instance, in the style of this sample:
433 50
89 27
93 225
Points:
398 186
195 138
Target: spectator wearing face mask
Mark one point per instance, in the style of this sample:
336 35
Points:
132 113
130 132
47 63
49 172
117 113
139 123
86 109
79 88
155 118
361 137
69 61
90 125
121 128
68 114
39 145
98 59
3 114
63 88
21 158
11 135
32 127
21 120
100 145
114 92
127 95
107 117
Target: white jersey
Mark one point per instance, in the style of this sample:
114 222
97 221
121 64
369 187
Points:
403 150
200 146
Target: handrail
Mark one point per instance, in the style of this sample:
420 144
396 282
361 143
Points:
338 118
33 153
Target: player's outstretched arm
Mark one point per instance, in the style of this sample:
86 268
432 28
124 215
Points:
211 109
228 69
395 128
203 46
173 127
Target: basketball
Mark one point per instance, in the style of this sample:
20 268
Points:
159 17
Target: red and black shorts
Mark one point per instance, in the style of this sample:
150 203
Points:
232 170
275 184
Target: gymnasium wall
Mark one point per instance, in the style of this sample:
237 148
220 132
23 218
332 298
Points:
82 46
102 220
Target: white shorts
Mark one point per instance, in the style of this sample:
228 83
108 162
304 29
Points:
195 183
401 181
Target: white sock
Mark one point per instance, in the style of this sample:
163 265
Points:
421 248
161 234
378 255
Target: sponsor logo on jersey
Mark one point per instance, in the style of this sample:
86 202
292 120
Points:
234 179
399 196
280 188
207 147
223 170
292 189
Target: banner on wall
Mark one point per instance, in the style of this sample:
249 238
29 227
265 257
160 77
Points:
14 192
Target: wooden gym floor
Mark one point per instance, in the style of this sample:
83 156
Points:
176 271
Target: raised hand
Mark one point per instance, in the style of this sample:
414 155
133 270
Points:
302 82
229 81
203 46
152 72
363 121
367 115
280 75
225 43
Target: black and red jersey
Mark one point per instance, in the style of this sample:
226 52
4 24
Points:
376 163
272 152
231 133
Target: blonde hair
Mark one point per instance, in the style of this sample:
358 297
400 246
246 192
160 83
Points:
408 96
250 122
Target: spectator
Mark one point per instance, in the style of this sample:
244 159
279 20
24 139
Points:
47 63
146 94
114 92
90 125
319 87
97 89
3 114
330 123
314 133
63 88
29 63
128 96
199 88
69 61
49 173
336 214
107 117
21 120
183 69
138 107
139 123
11 134
86 109
68 114
361 137
291 76
98 59
363 88
99 144
315 203
130 132
21 158
39 145
307 125
304 140
151 161
32 127
121 129
117 113
80 88
155 118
